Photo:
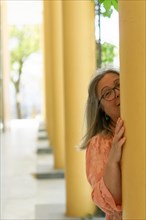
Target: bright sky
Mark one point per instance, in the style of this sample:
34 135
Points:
109 29
30 12
24 11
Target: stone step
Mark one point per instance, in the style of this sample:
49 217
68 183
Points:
45 150
42 127
45 172
51 212
42 135
43 147
57 212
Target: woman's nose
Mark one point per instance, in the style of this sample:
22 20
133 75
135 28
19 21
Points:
117 92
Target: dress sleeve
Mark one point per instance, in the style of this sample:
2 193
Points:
96 158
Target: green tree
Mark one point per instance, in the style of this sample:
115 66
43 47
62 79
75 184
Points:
108 52
105 53
24 41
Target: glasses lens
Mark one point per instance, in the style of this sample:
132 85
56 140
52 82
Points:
109 95
117 86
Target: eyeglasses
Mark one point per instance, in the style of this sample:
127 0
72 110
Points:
110 93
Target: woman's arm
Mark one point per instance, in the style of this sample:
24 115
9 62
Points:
112 175
96 156
112 180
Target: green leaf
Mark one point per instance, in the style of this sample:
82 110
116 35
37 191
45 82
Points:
107 13
100 1
107 4
115 4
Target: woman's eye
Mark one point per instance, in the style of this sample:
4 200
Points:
117 85
107 93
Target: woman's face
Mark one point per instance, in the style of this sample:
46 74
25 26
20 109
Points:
109 95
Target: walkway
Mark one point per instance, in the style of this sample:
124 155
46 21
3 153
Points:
24 196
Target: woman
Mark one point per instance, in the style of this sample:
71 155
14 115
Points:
104 142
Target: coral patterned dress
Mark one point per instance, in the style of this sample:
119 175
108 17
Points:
96 158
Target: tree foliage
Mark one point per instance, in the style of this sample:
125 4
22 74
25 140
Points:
108 52
105 52
24 41
107 6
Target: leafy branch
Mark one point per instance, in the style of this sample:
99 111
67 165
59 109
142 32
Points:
24 41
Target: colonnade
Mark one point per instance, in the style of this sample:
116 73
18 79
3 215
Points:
79 64
69 55
69 62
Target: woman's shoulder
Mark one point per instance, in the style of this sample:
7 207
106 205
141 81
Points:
100 137
99 140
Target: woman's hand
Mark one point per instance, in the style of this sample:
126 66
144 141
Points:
112 176
118 142
117 215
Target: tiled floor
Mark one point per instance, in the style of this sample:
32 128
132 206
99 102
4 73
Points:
23 196
21 192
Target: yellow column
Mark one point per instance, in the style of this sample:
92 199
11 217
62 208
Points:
79 60
5 80
58 82
48 99
54 38
133 106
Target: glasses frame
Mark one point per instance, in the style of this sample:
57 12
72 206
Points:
114 88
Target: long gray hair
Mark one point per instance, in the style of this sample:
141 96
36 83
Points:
95 116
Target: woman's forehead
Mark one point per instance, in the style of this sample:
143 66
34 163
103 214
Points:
107 81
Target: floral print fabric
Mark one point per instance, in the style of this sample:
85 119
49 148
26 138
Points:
96 158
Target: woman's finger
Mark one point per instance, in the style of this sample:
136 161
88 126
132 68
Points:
122 142
121 133
119 125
